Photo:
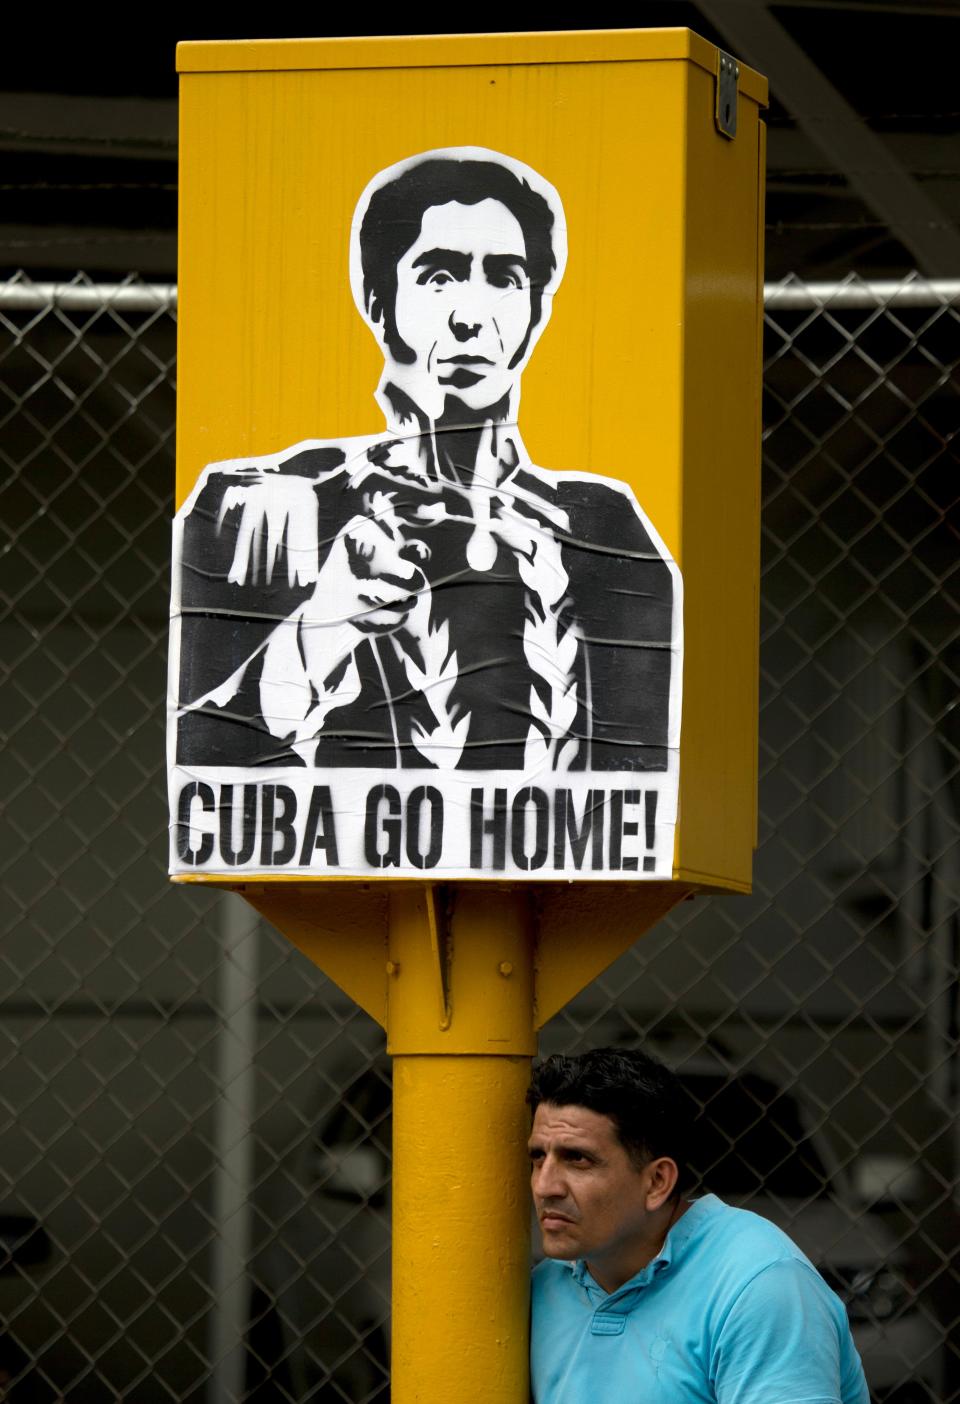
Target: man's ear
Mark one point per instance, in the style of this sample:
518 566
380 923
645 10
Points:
662 1175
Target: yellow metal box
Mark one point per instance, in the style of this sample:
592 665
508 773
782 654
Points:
406 641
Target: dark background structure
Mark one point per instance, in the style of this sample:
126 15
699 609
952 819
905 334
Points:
864 164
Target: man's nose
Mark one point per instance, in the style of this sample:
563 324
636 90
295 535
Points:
472 309
461 328
547 1181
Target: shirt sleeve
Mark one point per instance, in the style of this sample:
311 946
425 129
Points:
785 1340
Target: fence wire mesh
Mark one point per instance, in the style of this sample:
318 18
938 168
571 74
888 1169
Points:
195 1143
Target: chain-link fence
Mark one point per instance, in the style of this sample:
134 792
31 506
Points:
195 1144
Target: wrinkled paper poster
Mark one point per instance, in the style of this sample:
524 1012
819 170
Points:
420 653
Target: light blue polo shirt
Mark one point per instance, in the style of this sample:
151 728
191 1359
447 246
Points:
731 1312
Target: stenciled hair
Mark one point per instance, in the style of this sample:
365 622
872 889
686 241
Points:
648 1106
393 218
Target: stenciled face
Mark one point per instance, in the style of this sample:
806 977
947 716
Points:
591 1200
463 305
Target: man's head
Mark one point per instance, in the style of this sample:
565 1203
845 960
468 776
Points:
455 256
608 1158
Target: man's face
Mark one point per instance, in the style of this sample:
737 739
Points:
463 303
591 1200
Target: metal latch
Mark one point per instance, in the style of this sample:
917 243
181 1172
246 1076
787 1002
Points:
728 85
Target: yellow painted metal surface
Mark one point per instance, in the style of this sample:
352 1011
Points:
341 928
581 932
485 972
466 969
720 495
460 50
461 1230
648 372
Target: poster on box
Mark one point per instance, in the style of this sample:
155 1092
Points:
419 653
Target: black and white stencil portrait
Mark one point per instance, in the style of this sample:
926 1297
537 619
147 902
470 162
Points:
420 650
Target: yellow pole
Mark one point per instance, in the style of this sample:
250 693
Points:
460 1028
461 1239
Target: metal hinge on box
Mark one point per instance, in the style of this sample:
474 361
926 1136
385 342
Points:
728 85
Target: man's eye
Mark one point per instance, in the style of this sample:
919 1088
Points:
506 280
438 278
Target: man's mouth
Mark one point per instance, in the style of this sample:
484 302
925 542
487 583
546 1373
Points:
464 371
549 1219
461 378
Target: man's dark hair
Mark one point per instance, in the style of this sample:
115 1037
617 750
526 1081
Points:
393 218
645 1101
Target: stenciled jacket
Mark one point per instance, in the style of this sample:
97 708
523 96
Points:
344 603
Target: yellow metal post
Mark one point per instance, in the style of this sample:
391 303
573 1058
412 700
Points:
460 1028
464 986
461 1237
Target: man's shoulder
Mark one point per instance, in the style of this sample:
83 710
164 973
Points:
313 458
737 1237
740 1267
601 508
363 463
730 1248
775 1328
574 483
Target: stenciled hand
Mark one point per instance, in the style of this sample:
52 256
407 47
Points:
277 514
368 585
369 575
371 569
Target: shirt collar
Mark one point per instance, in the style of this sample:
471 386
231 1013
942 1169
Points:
674 1247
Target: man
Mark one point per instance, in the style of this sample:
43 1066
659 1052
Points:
429 598
645 1294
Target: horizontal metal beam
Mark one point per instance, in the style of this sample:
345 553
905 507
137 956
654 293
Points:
16 296
790 294
890 292
144 129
